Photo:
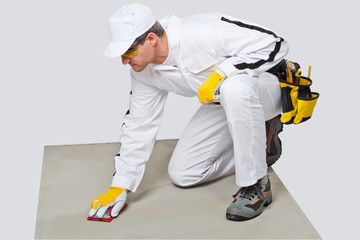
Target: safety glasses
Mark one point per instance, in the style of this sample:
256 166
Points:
133 50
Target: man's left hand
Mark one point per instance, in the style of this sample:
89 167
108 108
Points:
207 90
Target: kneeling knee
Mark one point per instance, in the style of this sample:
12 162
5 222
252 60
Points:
180 179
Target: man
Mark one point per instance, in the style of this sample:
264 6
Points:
223 61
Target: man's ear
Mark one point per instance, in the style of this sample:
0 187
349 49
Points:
152 38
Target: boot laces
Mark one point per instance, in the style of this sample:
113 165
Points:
249 192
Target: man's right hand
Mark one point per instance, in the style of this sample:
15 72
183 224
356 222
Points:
115 197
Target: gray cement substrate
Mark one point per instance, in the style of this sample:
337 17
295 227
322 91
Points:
72 175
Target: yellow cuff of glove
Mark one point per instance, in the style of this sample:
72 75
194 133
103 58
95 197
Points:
207 92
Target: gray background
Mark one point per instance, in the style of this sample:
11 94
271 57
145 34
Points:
56 88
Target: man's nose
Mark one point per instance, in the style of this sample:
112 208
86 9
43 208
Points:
125 60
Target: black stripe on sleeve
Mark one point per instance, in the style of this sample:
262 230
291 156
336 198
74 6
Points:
127 112
252 27
257 64
272 55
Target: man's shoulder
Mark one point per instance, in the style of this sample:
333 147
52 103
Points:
201 18
169 20
199 33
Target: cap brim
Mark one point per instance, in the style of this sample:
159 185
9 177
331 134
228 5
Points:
116 49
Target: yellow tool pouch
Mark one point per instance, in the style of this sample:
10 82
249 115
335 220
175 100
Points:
298 100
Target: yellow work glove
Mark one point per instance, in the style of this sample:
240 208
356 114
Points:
209 90
115 196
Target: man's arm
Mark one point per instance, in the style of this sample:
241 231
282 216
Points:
139 131
249 49
141 125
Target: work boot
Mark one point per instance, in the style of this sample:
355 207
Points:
273 144
250 201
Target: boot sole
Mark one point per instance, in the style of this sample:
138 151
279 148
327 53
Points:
233 217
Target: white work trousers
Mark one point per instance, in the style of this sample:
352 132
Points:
222 139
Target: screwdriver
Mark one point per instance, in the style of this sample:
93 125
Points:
289 75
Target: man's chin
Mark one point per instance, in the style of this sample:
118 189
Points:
136 68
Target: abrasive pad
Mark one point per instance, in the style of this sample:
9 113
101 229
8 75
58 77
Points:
107 217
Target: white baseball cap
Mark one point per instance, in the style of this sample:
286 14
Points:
127 23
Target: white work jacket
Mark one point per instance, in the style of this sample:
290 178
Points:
197 45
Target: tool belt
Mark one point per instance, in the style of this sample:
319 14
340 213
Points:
298 102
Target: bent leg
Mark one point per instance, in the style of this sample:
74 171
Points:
248 103
204 151
220 139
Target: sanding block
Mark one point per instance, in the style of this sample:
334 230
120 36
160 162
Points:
107 217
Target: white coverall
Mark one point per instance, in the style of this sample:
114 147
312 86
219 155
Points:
219 139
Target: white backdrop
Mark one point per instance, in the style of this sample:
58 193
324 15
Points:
57 88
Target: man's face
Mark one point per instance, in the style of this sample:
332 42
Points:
143 55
